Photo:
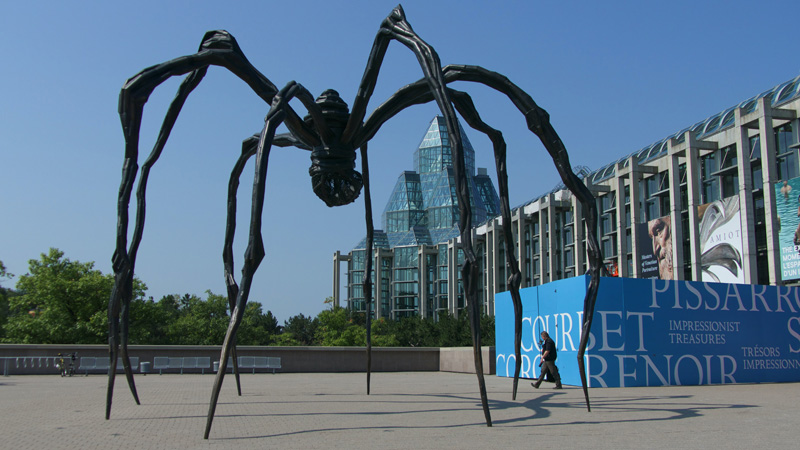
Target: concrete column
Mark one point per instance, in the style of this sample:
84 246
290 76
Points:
487 258
338 258
336 279
618 184
769 171
746 207
488 306
492 241
673 174
692 154
543 243
518 223
635 181
452 277
547 230
579 232
376 284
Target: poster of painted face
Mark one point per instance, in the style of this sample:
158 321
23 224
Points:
721 241
787 202
654 240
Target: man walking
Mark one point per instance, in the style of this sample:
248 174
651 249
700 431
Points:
548 365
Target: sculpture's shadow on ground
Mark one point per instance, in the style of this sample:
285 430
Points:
605 410
608 410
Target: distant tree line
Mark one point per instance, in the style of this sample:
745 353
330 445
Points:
60 301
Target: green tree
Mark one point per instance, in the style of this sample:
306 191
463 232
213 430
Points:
191 320
453 332
257 328
285 340
4 273
61 301
150 320
200 322
448 331
300 330
416 332
4 294
383 333
487 330
337 329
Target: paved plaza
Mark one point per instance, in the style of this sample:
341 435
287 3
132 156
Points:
405 410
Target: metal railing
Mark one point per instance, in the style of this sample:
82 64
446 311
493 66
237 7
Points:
43 364
25 362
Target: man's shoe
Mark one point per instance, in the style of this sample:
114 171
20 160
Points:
536 386
558 387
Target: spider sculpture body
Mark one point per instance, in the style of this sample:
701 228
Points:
333 135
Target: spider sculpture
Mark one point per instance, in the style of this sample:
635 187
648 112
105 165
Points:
332 135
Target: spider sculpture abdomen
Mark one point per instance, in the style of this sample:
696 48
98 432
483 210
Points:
333 175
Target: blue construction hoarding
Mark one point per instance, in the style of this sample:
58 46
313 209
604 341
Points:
658 332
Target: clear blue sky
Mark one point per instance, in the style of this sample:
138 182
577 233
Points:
614 76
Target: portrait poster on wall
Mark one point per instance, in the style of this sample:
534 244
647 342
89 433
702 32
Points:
654 242
721 241
787 203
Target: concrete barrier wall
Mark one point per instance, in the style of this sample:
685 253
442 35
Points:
462 360
39 359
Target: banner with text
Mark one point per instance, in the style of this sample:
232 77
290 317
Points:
655 332
787 203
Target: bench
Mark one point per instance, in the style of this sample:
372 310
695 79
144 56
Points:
196 362
259 362
92 363
161 363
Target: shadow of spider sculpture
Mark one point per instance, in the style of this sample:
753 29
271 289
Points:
332 135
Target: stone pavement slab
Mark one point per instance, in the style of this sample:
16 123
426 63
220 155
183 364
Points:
405 410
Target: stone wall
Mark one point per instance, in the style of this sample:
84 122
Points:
40 359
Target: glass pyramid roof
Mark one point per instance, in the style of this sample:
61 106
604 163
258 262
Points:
423 207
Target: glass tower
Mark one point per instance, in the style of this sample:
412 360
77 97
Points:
418 220
426 198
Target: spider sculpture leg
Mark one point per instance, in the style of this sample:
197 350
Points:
538 122
249 147
368 269
119 303
396 27
217 48
254 253
469 112
467 109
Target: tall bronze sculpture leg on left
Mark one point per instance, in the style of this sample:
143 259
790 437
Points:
124 260
217 48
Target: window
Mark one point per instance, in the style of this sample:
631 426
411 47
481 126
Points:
709 189
786 158
755 163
